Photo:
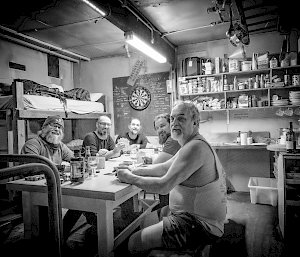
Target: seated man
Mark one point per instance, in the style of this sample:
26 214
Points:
49 142
102 144
195 179
136 139
170 147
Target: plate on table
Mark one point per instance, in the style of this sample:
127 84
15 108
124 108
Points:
258 144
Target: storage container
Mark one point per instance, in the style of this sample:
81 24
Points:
191 66
234 65
246 65
263 190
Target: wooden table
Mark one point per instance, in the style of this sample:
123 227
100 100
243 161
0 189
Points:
99 194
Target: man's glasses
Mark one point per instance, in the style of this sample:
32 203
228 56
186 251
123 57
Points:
103 124
55 125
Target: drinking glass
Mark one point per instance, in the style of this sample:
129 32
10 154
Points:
279 112
93 162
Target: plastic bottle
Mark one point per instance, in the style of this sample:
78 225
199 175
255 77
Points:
77 167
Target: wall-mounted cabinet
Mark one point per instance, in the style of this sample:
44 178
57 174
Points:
254 89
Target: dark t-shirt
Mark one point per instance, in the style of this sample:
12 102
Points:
140 139
171 146
91 139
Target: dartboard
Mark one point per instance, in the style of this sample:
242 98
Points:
139 98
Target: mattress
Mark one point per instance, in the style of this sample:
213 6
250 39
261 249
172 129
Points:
38 102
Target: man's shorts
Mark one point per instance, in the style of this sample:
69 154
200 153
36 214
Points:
185 231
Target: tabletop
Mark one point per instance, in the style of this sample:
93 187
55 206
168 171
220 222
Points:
105 185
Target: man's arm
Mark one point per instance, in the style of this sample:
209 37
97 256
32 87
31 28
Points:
162 157
31 147
67 153
90 140
183 165
144 141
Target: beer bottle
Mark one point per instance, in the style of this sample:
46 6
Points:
87 155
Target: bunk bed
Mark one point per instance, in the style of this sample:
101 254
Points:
19 109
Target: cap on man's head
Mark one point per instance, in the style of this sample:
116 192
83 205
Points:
54 120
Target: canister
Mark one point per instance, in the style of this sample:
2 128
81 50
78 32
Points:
244 138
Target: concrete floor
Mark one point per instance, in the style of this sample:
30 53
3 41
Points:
251 231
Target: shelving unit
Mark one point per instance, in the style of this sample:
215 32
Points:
289 198
263 93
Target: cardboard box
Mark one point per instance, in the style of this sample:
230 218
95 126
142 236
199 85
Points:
263 190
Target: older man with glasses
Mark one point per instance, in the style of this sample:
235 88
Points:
101 142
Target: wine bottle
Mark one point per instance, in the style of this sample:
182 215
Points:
290 142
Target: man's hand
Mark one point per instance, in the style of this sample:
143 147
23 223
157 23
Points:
102 152
118 147
124 174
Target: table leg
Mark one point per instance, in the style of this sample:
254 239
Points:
105 229
30 216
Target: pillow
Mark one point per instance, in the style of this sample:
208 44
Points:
95 96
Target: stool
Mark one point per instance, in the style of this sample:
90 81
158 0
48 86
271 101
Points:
203 252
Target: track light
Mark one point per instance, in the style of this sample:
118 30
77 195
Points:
133 40
94 7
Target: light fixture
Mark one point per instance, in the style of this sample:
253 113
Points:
94 7
133 40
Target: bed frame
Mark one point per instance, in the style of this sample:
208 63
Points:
15 119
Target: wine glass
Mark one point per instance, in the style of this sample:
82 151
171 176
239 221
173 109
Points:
93 162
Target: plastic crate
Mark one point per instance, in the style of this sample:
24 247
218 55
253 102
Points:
263 190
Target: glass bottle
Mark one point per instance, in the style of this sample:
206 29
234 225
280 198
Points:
235 85
290 142
77 168
87 155
238 139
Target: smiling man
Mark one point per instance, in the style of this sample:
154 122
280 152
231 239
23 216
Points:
136 139
101 142
195 179
49 143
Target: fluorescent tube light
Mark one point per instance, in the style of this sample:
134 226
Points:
94 7
133 40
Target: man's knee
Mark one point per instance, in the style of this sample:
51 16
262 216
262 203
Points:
135 243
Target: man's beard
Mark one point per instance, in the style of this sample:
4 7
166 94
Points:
162 137
103 133
51 137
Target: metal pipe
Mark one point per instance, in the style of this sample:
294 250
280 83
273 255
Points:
150 27
44 43
35 47
41 165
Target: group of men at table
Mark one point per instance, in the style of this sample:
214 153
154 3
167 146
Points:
187 169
